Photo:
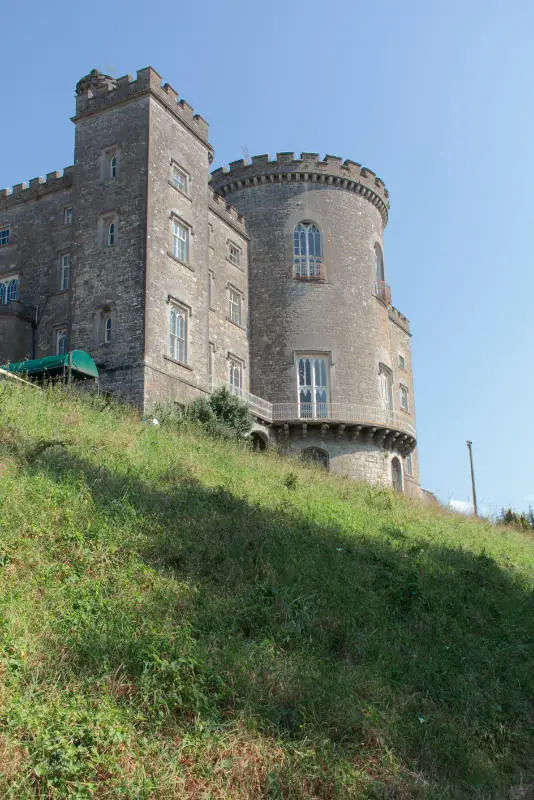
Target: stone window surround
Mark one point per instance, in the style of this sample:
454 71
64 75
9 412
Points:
108 154
103 312
229 244
5 280
62 254
211 287
230 287
232 358
174 216
402 362
175 301
176 166
404 392
67 215
105 220
58 330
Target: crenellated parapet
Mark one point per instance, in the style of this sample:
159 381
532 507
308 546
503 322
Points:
399 319
96 92
36 188
285 168
218 205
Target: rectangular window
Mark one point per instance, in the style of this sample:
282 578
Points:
211 364
386 387
67 215
402 361
178 333
61 341
9 290
235 376
234 310
234 253
180 180
210 234
312 386
404 398
408 466
211 287
64 278
4 236
180 244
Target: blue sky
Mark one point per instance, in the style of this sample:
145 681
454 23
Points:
437 98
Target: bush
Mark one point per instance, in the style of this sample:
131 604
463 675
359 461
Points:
223 415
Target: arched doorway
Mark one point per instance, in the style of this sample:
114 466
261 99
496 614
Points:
396 474
316 456
258 442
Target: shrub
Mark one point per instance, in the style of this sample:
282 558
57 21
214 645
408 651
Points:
222 415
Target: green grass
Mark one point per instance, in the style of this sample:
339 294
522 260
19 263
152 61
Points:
181 618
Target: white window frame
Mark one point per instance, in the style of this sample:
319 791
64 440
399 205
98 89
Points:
313 385
234 253
178 331
67 215
65 263
180 244
9 289
404 396
308 250
235 305
235 375
61 337
4 236
408 465
183 184
385 377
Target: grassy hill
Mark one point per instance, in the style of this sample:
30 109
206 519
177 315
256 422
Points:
181 618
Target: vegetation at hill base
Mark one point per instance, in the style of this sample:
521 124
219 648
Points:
183 618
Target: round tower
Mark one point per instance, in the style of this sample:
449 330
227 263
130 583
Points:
328 349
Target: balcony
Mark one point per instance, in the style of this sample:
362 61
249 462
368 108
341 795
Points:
309 268
383 292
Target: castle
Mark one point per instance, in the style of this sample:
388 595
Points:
267 277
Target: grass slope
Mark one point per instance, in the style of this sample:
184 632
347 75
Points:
180 618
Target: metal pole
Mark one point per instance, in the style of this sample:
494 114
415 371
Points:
472 478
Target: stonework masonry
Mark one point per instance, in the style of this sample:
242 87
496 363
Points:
177 281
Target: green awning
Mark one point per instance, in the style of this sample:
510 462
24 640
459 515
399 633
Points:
79 361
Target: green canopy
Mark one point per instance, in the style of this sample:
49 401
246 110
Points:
78 361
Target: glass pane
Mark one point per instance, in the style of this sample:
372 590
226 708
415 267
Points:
307 365
301 371
323 372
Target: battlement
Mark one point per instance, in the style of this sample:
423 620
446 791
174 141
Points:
402 321
36 188
96 92
227 213
331 170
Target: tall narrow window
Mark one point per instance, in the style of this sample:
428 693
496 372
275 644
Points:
64 278
404 404
67 215
211 365
402 361
111 234
12 290
211 287
408 465
107 329
235 377
307 250
180 244
3 293
4 236
386 387
234 303
61 341
396 474
113 166
178 333
312 386
379 260
234 254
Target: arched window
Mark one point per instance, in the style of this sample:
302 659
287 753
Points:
107 329
111 234
396 474
307 250
316 456
12 290
379 260
113 167
312 386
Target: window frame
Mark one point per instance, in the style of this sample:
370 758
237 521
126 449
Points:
313 263
408 465
179 310
404 397
402 362
61 332
107 328
111 233
177 169
314 408
385 376
6 294
178 222
67 215
236 366
5 234
233 290
65 269
230 245
380 272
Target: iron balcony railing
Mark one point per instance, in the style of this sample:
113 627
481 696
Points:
367 416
